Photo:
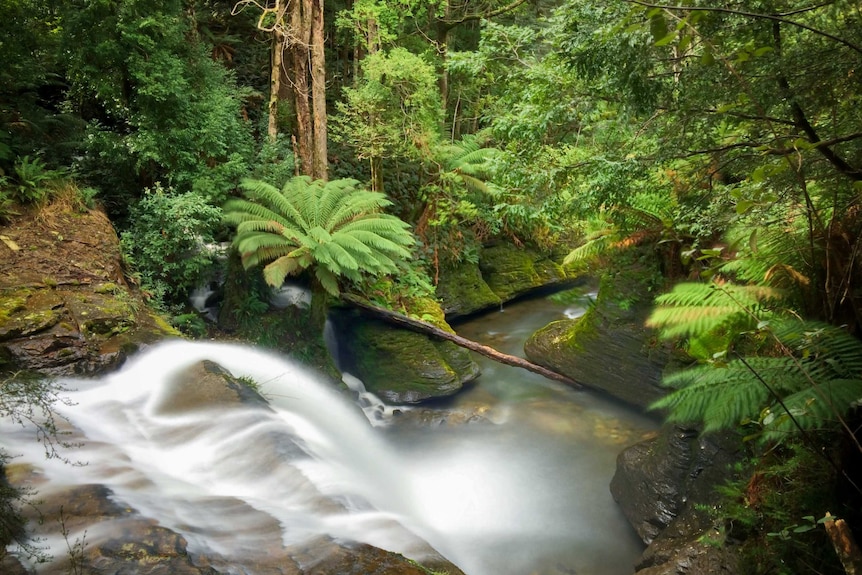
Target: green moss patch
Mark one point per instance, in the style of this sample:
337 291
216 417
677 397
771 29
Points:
27 312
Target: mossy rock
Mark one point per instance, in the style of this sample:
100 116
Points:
511 271
462 291
100 314
25 312
401 366
609 348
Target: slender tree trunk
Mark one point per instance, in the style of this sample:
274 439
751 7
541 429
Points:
377 174
318 92
275 84
443 29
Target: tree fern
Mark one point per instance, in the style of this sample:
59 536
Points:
468 165
778 255
807 376
646 217
333 226
698 310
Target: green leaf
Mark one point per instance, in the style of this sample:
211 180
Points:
743 206
666 40
658 26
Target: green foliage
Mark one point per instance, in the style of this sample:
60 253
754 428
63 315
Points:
774 494
191 324
32 177
275 161
711 316
160 108
334 227
807 376
461 199
7 209
166 243
394 109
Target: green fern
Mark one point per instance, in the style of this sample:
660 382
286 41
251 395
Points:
647 217
597 243
333 226
812 379
710 316
469 165
776 254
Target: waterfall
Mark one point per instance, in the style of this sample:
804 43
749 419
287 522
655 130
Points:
521 490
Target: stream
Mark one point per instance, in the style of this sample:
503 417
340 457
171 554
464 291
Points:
520 489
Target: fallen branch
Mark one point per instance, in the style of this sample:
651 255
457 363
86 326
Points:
434 331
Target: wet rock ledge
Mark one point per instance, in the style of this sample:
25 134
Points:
65 307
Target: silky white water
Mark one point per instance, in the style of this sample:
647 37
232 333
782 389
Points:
522 491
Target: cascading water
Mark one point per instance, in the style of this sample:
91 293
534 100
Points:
513 494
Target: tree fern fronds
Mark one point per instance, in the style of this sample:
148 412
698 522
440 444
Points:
812 408
596 244
237 211
279 202
700 309
383 225
776 255
811 381
275 272
253 240
254 225
352 208
327 280
334 225
720 397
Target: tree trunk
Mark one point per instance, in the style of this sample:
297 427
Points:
318 92
845 545
376 174
300 24
434 331
275 84
443 29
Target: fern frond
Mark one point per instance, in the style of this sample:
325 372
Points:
812 408
334 195
776 255
327 280
356 206
699 309
237 211
335 225
275 272
275 201
719 397
597 243
814 381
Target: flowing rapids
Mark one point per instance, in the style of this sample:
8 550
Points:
524 490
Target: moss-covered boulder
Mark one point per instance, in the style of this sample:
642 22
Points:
504 272
511 271
609 348
65 307
398 365
462 290
617 357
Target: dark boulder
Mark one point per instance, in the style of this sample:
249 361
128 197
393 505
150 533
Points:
663 486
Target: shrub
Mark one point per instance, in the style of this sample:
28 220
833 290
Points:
166 244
